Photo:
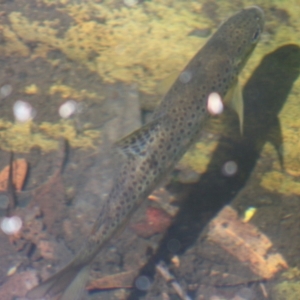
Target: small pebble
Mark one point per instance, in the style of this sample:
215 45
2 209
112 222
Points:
214 104
23 111
11 225
142 283
5 90
67 109
176 261
11 271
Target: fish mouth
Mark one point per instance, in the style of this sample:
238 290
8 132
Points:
260 15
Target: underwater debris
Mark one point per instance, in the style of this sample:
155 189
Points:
169 278
19 173
175 261
156 221
249 213
246 243
114 281
31 89
164 200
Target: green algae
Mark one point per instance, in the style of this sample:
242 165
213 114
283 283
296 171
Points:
287 290
22 137
110 47
145 43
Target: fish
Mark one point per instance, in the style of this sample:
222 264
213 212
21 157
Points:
146 156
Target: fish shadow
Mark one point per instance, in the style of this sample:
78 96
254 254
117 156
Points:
264 95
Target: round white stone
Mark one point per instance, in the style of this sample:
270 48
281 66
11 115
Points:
67 109
214 104
11 225
23 111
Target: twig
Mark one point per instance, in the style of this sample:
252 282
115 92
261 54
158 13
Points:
11 188
263 289
164 272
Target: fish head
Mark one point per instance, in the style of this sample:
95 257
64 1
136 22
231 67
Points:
243 30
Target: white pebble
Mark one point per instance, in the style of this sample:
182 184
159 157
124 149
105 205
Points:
11 225
23 111
229 168
12 271
67 109
6 90
214 104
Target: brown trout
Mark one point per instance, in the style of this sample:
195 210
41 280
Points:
147 155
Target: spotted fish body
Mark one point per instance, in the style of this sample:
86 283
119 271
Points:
147 155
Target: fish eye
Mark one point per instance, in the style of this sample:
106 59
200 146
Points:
256 35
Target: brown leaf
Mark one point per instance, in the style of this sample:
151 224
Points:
246 243
20 168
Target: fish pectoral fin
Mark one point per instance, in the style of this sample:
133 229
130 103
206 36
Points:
76 289
70 281
276 139
137 141
164 85
234 98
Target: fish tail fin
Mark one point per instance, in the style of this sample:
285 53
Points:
70 281
276 139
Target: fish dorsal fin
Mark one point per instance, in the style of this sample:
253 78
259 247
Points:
138 141
276 139
234 98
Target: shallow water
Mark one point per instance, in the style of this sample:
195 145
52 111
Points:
111 57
